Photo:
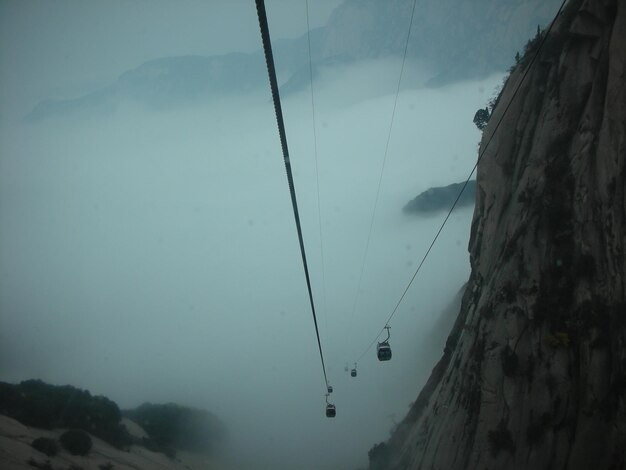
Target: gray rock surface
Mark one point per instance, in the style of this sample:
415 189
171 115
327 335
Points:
534 372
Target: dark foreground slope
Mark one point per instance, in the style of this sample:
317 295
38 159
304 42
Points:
534 371
35 418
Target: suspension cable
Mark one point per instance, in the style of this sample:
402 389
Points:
317 176
480 156
271 70
382 170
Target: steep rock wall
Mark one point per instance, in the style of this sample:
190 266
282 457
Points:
534 372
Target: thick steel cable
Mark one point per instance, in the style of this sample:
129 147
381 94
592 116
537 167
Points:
271 70
480 156
382 170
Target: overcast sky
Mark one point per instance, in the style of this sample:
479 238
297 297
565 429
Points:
152 256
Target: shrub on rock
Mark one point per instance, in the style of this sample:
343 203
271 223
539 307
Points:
76 442
46 446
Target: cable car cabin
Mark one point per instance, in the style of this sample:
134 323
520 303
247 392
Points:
330 411
383 351
330 389
353 373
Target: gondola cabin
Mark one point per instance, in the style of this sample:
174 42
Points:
330 411
353 373
383 351
330 389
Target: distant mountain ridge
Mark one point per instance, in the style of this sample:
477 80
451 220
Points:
165 82
459 39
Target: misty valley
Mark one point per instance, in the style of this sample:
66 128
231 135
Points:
158 309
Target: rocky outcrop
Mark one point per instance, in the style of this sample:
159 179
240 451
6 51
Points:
534 372
441 198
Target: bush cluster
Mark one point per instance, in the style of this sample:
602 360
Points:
76 442
46 446
171 427
35 403
174 427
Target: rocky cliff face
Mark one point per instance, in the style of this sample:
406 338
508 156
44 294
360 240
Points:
534 372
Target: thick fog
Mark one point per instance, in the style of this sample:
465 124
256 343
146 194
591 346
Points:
152 255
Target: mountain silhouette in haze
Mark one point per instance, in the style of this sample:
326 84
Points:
457 40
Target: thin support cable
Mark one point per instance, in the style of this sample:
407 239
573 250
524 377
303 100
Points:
480 156
271 70
317 177
382 171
